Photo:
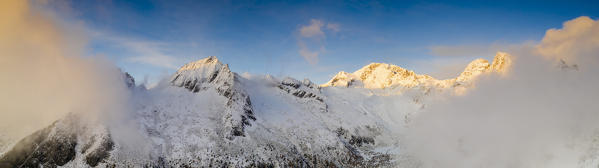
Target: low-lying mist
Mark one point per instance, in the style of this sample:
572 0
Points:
45 75
543 113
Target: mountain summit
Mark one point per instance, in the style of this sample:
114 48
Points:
381 75
204 73
211 73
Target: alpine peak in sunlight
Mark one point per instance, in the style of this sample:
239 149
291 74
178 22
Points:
381 75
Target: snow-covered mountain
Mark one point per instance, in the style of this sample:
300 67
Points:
205 115
381 75
69 140
210 73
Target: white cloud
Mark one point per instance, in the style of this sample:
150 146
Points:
310 56
333 27
150 53
579 36
145 52
311 38
156 60
312 30
538 115
49 78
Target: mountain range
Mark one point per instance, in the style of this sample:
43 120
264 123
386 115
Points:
381 75
205 115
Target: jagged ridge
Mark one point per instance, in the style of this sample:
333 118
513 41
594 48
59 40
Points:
300 124
380 75
211 73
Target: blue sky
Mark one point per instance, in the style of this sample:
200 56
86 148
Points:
314 39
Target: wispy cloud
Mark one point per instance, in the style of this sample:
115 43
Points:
469 50
310 56
143 51
310 41
333 27
312 30
151 53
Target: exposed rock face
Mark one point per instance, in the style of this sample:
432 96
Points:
101 150
40 149
203 74
56 145
129 81
380 75
306 91
501 62
358 146
64 140
500 65
211 73
473 69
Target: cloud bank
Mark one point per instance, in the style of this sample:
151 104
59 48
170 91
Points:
539 115
142 51
577 41
44 74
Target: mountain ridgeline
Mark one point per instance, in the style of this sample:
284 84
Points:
380 75
210 73
208 116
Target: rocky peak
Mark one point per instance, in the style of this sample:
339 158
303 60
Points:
202 63
474 69
210 73
380 75
202 74
129 81
501 62
341 79
304 91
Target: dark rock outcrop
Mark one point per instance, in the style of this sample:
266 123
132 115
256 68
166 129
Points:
48 147
305 91
56 145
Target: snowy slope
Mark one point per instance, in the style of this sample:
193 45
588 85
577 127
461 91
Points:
293 127
210 73
206 115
